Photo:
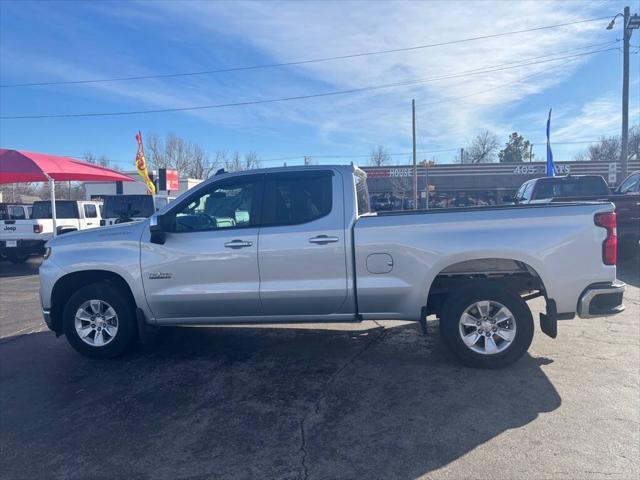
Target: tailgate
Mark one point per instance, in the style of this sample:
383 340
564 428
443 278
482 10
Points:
11 230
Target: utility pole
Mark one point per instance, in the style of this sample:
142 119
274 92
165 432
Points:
462 155
530 152
624 160
426 180
630 23
415 165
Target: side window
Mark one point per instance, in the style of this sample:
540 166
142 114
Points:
520 193
16 213
30 211
526 194
362 193
292 198
631 184
90 211
231 204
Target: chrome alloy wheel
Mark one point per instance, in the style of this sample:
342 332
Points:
96 323
487 327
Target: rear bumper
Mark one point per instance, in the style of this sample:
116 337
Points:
23 247
601 299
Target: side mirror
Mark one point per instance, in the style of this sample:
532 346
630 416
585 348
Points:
157 224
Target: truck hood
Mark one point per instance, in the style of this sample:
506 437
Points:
124 231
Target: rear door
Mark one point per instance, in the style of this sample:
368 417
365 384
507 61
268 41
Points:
301 254
91 219
208 266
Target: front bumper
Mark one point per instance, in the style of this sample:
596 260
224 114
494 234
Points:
601 300
47 318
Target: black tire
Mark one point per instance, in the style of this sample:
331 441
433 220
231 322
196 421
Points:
124 309
17 257
459 301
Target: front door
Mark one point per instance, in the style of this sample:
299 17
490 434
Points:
208 266
302 255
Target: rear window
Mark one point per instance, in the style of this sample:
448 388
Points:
128 206
570 187
12 212
17 213
64 209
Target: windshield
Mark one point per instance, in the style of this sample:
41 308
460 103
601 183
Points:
571 187
64 209
128 206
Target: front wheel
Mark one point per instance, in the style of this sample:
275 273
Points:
99 321
486 326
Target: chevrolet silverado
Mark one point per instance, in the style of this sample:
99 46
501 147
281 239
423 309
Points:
299 244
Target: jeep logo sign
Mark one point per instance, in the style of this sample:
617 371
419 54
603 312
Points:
9 228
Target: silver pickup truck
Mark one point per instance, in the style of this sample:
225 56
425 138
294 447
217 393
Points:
291 245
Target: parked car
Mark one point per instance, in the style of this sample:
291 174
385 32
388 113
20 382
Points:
292 245
21 238
626 198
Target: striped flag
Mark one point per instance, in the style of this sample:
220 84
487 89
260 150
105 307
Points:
550 169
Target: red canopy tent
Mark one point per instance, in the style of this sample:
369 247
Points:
17 166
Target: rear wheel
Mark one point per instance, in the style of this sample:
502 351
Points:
487 326
99 321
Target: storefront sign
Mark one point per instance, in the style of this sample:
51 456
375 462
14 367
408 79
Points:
540 169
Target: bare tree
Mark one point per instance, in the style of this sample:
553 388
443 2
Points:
402 187
608 148
482 149
89 157
237 163
175 152
379 157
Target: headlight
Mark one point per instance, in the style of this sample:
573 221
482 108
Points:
47 252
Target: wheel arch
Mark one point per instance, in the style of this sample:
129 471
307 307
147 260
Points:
514 274
68 284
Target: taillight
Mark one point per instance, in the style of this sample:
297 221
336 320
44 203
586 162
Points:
37 228
610 244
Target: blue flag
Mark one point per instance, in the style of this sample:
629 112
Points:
550 169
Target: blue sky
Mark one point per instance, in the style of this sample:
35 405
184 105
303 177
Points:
62 41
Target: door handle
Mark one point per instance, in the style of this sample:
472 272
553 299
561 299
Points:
323 239
238 244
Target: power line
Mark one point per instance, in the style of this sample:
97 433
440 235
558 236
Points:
300 62
304 97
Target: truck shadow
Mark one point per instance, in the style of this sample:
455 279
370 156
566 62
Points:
258 403
30 267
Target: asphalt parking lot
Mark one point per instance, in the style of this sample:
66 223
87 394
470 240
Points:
378 400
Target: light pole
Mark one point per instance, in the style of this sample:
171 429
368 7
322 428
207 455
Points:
630 23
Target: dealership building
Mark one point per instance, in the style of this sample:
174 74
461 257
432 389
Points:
459 185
